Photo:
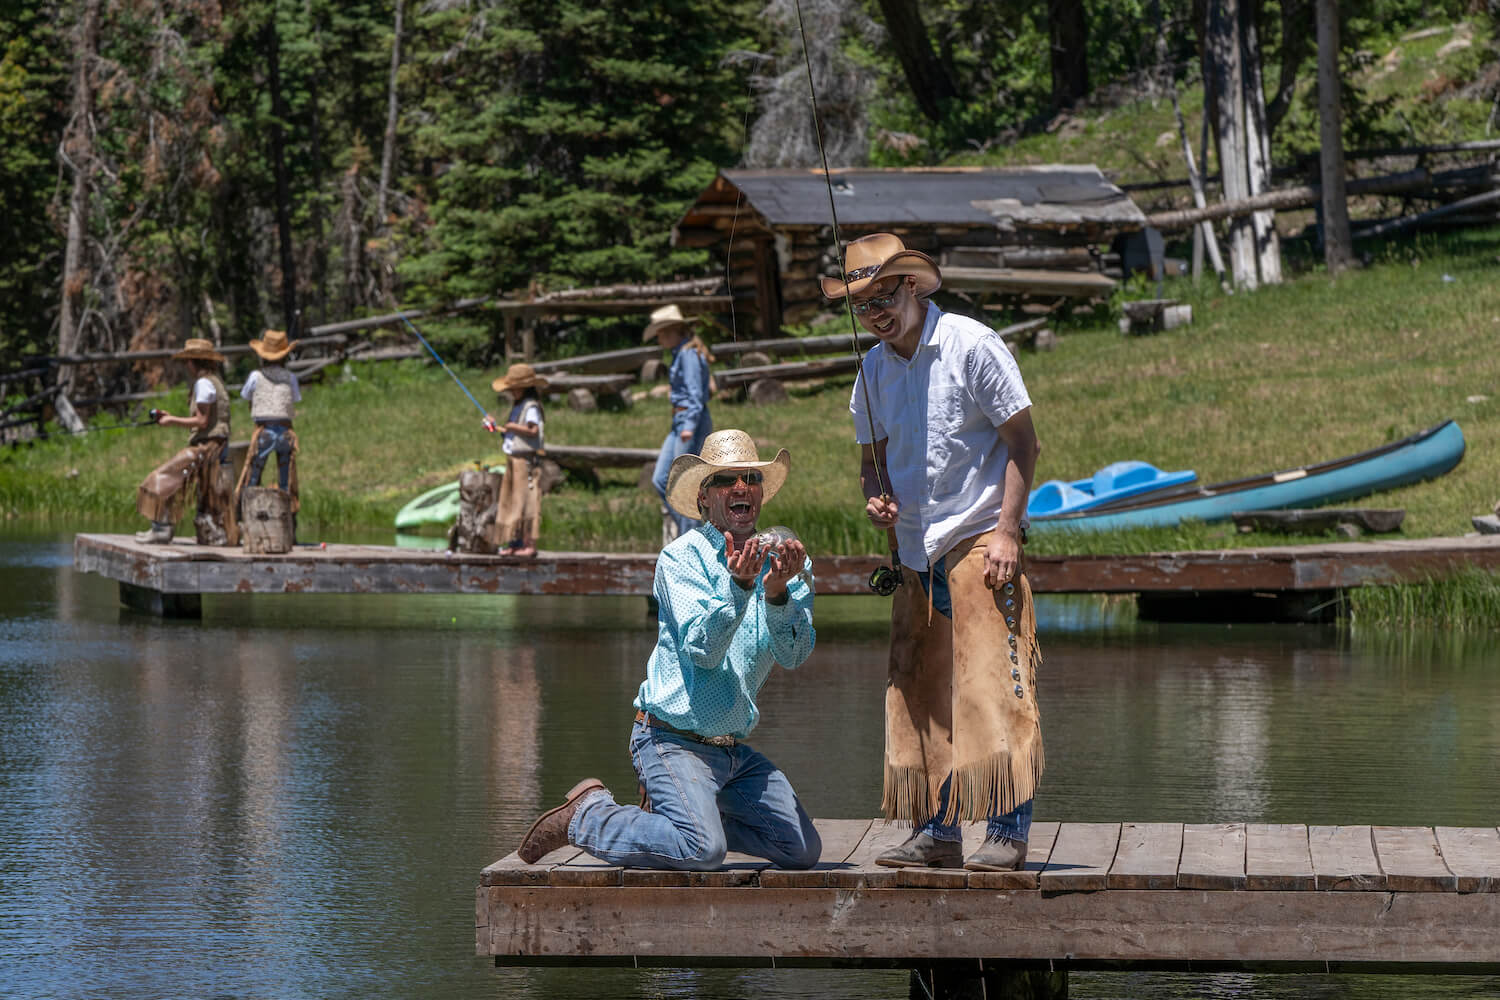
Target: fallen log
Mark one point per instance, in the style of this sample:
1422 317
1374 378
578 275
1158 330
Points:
1282 199
1452 208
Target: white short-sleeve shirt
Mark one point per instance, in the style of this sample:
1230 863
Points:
204 392
939 413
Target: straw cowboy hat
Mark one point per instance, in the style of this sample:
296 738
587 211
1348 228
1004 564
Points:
722 450
664 319
198 349
273 346
518 377
879 255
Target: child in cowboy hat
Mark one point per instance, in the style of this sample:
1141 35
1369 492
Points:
273 391
691 386
731 609
518 511
200 466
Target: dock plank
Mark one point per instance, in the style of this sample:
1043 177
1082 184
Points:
1343 858
1473 855
1038 852
1147 856
1081 857
583 869
511 870
1411 860
1277 857
840 838
1213 856
861 871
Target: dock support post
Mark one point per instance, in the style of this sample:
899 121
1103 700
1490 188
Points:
997 980
153 602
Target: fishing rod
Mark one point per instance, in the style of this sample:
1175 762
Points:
489 421
885 579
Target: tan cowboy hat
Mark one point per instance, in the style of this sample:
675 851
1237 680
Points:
273 345
662 319
722 450
518 377
198 349
879 255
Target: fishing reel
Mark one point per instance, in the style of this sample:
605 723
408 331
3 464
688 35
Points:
155 415
885 580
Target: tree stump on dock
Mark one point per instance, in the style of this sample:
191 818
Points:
478 493
266 523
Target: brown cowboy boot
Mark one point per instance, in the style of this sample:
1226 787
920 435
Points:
922 851
998 854
550 831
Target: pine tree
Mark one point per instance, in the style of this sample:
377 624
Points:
568 137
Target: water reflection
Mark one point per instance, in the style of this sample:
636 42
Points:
294 796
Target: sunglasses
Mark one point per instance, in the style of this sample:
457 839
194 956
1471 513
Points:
878 302
719 480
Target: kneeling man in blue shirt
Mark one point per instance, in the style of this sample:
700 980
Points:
732 606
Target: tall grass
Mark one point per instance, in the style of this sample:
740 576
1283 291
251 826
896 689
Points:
1468 601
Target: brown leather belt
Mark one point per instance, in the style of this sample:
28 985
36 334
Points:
678 409
724 742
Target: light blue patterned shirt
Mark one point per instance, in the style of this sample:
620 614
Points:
716 642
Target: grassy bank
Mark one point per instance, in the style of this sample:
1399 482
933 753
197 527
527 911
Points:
1298 373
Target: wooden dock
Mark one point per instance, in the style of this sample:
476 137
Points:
170 579
1180 896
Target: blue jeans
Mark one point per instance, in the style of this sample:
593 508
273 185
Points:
705 801
273 437
1015 824
673 446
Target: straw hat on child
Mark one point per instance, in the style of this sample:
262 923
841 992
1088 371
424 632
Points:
722 451
521 376
273 345
198 349
665 318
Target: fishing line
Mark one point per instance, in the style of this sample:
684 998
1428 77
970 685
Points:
440 361
884 580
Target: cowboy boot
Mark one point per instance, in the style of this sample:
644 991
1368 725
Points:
998 854
922 851
550 831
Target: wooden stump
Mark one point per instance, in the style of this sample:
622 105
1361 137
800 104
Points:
653 370
266 520
766 391
582 401
753 359
478 492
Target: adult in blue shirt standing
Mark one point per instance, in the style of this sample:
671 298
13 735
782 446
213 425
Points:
691 423
732 606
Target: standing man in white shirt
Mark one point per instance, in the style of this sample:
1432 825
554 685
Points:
948 456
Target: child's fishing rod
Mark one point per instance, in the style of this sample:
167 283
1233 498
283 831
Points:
489 421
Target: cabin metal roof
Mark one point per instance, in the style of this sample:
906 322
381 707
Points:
1041 196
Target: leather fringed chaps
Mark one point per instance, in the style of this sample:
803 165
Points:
961 697
164 492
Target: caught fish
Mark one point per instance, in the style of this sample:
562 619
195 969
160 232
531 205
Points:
776 536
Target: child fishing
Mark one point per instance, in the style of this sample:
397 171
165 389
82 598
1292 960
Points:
518 511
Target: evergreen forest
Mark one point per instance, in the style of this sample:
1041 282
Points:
175 167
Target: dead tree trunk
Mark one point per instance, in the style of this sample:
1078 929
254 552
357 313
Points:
1338 248
1223 49
279 115
1258 147
1068 31
1204 232
929 79
77 151
388 149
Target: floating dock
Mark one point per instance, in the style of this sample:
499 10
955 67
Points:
1177 896
1292 582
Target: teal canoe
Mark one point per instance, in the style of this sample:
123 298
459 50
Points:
1425 455
1115 481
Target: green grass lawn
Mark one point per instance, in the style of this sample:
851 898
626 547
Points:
1306 371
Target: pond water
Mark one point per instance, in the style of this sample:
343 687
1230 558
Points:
294 796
